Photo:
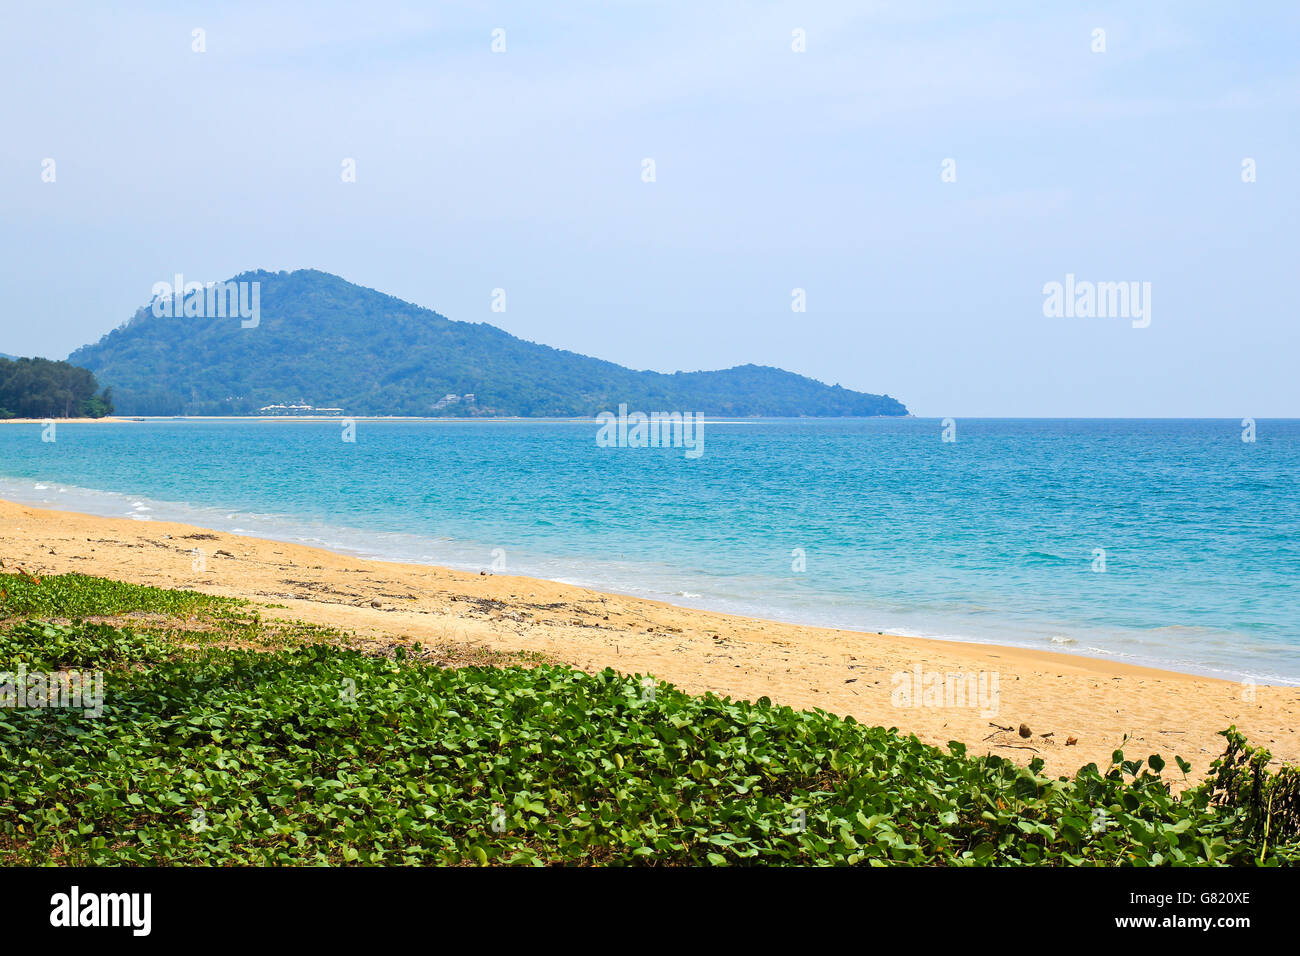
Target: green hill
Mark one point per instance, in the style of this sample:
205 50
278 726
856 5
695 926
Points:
323 341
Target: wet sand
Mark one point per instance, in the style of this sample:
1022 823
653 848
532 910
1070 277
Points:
1059 697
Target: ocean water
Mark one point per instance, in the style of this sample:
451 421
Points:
872 525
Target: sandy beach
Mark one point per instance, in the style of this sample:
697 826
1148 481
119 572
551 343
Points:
1060 697
108 419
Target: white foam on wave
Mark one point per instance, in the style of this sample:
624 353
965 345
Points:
752 596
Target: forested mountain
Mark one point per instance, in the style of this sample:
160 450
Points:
323 341
40 388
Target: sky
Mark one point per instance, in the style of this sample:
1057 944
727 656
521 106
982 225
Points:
920 170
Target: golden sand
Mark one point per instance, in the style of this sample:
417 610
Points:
1057 696
60 421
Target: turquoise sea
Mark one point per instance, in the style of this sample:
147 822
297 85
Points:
992 537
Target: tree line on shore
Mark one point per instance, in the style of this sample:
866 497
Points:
42 388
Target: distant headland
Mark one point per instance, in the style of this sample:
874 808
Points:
263 342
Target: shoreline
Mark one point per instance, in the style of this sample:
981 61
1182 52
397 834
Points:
367 550
1093 700
63 421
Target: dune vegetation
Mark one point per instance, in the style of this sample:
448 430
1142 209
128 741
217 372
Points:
226 737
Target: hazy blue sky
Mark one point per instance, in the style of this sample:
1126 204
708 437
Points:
775 170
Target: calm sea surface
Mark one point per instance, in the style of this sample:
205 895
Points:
998 536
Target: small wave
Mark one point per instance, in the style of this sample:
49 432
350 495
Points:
1062 639
1046 556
